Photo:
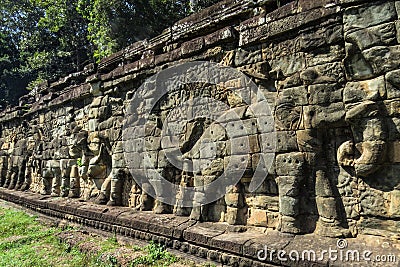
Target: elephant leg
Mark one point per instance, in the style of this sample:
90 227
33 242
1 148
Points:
21 175
200 209
3 175
116 189
74 191
180 210
65 185
3 170
236 210
65 178
330 222
8 178
55 188
46 186
159 185
289 203
146 202
104 194
14 178
28 179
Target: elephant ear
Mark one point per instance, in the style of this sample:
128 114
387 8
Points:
287 114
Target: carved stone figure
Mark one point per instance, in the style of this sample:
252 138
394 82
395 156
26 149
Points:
99 165
12 164
368 150
71 175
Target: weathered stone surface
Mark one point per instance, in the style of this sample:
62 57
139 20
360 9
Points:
290 164
368 15
383 59
374 89
324 93
393 84
316 146
384 34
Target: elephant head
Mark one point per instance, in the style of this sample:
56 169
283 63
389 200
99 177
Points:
367 150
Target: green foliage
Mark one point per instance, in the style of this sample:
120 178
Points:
46 39
79 162
25 242
156 255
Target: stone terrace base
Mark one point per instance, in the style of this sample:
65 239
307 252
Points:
230 245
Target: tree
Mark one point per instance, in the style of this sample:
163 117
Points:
114 24
46 39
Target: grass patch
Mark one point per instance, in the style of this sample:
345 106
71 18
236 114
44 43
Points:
156 255
24 242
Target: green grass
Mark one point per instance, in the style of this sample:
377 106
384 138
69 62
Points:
25 242
156 256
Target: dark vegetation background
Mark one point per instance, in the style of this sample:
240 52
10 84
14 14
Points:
46 39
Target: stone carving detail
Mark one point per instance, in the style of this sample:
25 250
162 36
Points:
331 74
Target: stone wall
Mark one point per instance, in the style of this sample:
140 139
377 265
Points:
328 68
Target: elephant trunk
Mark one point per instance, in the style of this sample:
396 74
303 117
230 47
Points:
372 155
369 140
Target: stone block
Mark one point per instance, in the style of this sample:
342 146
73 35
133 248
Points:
289 185
192 46
213 167
289 206
397 25
245 56
324 94
234 200
394 207
258 217
297 94
235 128
225 34
268 142
93 125
383 59
96 102
210 150
265 124
150 160
364 90
324 115
327 207
152 143
285 141
393 84
215 132
118 160
368 15
392 107
357 67
308 140
394 152
235 216
237 164
380 35
243 145
263 163
168 157
290 164
171 141
289 64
